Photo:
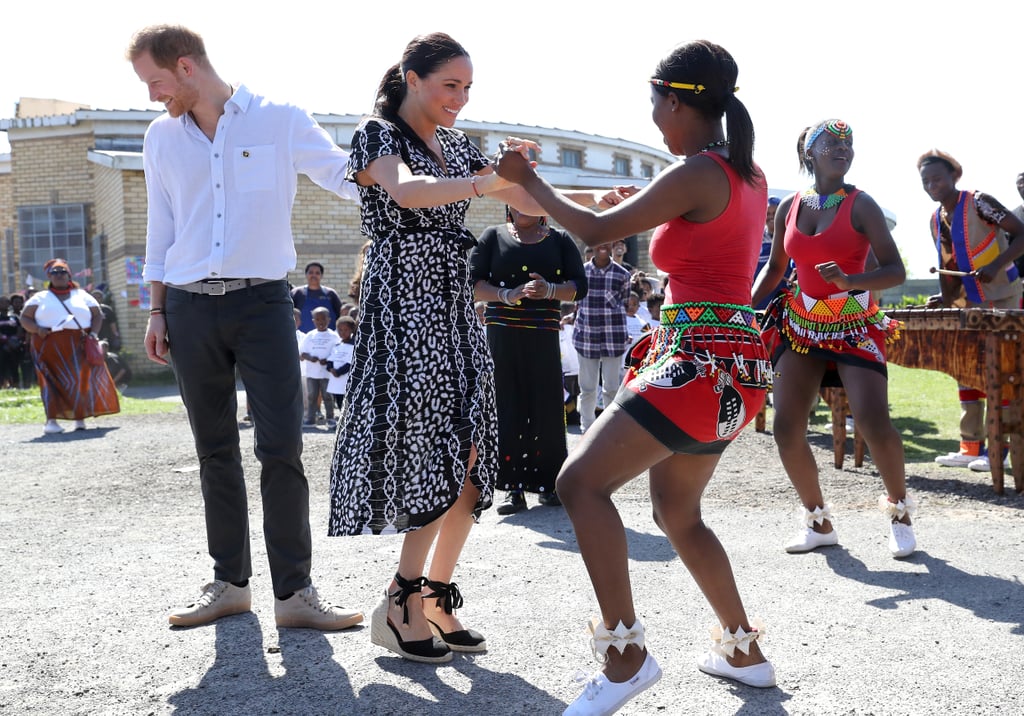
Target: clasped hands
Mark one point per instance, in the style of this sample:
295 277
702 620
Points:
536 289
512 163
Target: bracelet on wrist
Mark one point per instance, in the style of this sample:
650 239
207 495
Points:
472 183
157 312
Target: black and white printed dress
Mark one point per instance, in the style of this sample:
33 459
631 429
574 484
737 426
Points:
421 390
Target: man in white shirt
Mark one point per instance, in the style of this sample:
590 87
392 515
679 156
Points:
221 172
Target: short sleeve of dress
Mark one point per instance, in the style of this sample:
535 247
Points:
373 139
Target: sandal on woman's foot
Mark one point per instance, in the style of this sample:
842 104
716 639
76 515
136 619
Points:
449 598
715 663
383 633
601 696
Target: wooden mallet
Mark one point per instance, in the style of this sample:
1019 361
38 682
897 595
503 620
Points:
947 272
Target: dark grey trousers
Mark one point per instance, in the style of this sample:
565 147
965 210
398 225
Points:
254 329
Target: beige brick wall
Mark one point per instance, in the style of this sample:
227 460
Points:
8 217
57 170
52 171
120 214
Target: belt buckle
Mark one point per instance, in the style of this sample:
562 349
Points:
218 288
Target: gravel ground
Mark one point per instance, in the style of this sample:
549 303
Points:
102 535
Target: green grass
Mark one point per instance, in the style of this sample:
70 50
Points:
923 405
924 408
25 406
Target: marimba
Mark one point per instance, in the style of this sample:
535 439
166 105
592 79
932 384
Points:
979 347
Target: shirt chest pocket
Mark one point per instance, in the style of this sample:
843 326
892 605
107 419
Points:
255 167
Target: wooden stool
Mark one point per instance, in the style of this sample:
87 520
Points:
835 398
761 418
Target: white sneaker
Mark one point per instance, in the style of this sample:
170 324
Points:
807 539
79 425
219 599
981 464
305 610
52 427
849 425
957 459
602 697
761 676
902 542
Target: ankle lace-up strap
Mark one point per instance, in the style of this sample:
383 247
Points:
897 510
406 588
620 637
449 593
727 642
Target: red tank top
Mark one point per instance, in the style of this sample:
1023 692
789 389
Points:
840 242
714 260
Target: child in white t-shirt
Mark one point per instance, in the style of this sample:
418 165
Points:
315 348
570 363
635 325
339 362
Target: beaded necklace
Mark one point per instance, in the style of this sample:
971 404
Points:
714 145
541 234
813 200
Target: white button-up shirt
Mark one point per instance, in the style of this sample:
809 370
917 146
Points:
222 209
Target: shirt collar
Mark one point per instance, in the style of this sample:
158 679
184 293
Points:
241 98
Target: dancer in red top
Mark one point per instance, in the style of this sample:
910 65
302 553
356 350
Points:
695 381
829 331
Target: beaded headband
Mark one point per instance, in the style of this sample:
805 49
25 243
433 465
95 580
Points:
696 89
837 127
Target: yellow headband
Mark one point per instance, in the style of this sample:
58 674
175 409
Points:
697 89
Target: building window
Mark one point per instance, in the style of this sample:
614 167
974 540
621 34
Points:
646 170
572 158
622 166
47 232
476 141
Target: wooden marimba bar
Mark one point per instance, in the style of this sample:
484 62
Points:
979 347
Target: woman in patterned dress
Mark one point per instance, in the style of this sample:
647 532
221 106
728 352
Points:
695 381
416 452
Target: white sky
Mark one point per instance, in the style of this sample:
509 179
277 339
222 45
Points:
907 75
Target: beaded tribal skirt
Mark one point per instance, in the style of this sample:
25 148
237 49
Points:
846 327
699 378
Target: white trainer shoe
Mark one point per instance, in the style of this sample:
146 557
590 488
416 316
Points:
602 697
761 676
981 464
807 539
902 542
955 459
52 427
